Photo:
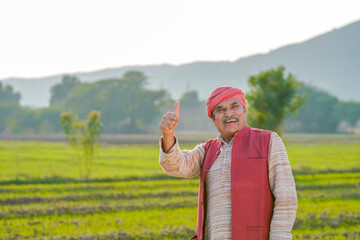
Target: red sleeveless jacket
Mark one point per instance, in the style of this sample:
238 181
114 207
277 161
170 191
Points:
252 202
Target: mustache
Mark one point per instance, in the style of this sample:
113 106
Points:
228 118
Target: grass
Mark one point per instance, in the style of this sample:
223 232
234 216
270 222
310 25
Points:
42 195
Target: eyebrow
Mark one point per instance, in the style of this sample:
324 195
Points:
232 104
218 107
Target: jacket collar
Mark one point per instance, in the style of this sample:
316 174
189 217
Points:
243 131
239 133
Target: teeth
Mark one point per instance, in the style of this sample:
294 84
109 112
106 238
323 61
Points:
231 120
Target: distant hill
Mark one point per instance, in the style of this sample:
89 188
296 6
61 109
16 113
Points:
330 61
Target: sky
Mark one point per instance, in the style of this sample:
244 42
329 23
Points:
42 37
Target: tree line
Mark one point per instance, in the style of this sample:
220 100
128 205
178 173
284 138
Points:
128 106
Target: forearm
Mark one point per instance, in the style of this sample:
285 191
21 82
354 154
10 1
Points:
284 215
168 141
179 163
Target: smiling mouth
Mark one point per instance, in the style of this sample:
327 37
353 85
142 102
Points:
230 121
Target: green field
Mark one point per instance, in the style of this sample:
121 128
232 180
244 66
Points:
42 195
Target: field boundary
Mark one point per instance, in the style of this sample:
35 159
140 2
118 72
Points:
185 138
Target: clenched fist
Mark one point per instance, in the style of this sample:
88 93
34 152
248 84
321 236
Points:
170 120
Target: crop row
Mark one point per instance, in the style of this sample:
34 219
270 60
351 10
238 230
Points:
99 197
327 186
131 222
327 235
50 193
333 207
99 208
123 185
327 178
150 186
326 195
323 220
97 186
181 233
316 182
159 193
311 221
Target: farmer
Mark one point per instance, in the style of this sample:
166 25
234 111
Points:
246 190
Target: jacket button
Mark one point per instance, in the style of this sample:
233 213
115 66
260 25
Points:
202 184
207 167
217 152
202 203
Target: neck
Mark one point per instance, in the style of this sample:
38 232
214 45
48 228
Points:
228 138
241 131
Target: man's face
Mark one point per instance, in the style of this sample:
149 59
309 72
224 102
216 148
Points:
229 117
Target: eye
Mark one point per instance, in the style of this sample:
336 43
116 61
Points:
220 110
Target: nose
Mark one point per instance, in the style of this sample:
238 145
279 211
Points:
228 112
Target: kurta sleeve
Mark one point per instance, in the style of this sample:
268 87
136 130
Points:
282 185
186 163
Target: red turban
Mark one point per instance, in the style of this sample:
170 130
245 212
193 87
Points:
223 93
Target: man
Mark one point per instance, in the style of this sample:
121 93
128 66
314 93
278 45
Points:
247 189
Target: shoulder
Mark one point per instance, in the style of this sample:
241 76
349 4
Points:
276 140
261 132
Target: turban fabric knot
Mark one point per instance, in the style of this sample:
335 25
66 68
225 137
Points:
221 94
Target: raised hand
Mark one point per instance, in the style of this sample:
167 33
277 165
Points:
170 120
167 126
